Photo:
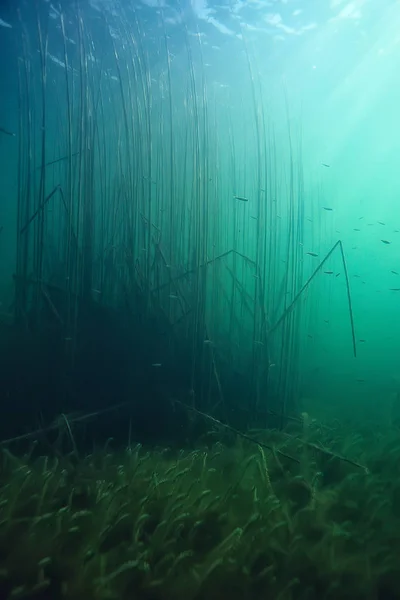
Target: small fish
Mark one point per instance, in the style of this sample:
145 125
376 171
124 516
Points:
309 336
309 220
360 218
327 208
2 130
325 165
241 198
385 242
381 223
173 296
4 24
326 321
396 230
360 380
356 229
148 179
312 253
356 276
156 365
328 272
337 274
255 218
394 289
362 341
394 272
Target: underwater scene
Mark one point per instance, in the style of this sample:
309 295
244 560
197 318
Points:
199 300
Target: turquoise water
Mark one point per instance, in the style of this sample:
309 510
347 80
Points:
177 110
199 252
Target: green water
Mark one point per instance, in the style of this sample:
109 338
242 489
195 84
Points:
292 107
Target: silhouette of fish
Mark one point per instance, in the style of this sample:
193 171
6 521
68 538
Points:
6 132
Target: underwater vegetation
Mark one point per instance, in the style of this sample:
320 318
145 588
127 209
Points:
230 519
168 237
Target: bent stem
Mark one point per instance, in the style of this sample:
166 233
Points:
307 283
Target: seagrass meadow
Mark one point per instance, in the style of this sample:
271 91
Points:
285 518
199 284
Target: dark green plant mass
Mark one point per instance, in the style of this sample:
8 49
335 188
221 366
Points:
227 520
